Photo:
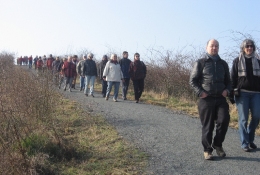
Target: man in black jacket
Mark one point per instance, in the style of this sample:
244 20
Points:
210 80
90 73
102 66
125 64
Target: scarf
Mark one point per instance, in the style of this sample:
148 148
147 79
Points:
242 65
115 62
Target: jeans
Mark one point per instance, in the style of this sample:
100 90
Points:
81 82
104 87
213 111
68 80
116 88
30 64
138 88
125 85
245 102
89 80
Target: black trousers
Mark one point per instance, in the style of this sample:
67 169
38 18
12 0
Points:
213 111
104 87
138 88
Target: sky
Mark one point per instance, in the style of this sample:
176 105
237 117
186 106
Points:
64 27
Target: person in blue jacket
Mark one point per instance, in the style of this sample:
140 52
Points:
125 64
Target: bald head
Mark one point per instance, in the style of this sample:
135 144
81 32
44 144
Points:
212 47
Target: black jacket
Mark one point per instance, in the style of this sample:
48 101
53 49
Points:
90 68
102 66
249 82
211 77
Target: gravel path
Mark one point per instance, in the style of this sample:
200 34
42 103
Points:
172 140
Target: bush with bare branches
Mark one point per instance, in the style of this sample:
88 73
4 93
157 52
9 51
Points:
26 118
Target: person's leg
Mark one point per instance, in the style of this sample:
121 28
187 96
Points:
140 87
222 121
207 116
255 112
104 87
109 87
116 89
87 79
70 82
135 84
61 80
125 86
66 82
242 103
81 80
92 84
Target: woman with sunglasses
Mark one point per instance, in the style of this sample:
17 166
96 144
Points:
245 77
137 72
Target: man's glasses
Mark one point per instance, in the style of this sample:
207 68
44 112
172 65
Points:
247 46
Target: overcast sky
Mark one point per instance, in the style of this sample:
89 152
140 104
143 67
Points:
38 27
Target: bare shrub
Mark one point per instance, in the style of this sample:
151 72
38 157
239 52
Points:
26 117
169 72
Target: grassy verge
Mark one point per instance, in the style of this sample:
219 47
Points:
93 146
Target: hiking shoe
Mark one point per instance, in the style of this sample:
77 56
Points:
246 149
208 156
115 100
220 151
252 146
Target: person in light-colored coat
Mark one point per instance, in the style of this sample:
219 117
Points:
113 75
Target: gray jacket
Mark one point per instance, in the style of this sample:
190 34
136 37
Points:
80 66
210 76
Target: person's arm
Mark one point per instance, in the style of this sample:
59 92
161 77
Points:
195 78
106 70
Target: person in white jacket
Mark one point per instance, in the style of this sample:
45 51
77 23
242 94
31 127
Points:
113 75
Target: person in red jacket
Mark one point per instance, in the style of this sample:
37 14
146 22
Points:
30 61
137 72
39 66
49 62
20 60
69 69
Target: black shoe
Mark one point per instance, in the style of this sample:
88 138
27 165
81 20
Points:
124 98
246 149
92 95
86 95
137 101
64 89
252 146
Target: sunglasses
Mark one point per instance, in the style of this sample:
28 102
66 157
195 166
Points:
247 46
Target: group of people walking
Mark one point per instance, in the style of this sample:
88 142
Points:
111 72
210 78
213 83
